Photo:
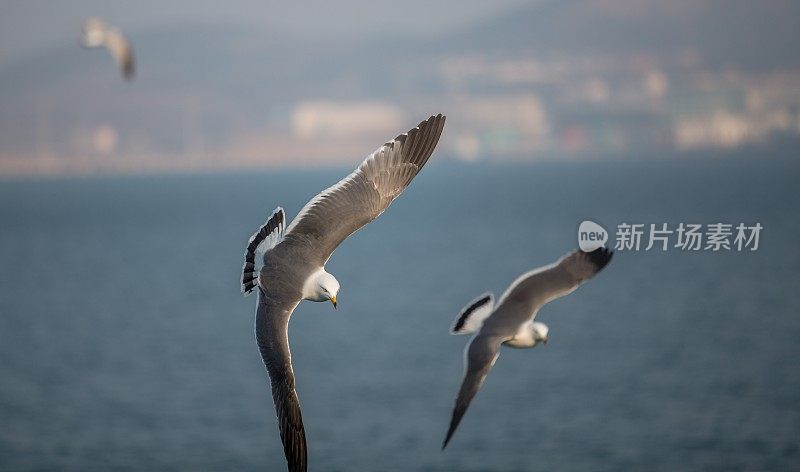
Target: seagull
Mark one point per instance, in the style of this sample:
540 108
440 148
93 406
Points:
293 261
511 322
96 33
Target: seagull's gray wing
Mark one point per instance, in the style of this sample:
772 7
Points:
533 289
122 51
479 357
272 324
336 213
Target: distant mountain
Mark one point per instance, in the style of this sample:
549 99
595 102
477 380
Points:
744 33
213 84
253 64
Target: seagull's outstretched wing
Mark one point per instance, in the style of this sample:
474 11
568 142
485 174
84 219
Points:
479 357
272 324
336 213
122 51
533 289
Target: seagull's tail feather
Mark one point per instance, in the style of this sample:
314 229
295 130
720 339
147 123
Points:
267 236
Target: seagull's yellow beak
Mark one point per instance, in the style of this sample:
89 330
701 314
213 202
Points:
333 300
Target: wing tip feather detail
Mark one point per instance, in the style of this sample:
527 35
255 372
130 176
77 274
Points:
366 192
600 257
275 223
461 324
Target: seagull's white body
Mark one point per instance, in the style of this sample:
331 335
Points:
294 261
511 321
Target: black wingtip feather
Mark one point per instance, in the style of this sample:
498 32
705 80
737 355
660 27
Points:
468 311
600 257
447 439
249 274
454 422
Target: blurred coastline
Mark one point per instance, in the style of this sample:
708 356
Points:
570 80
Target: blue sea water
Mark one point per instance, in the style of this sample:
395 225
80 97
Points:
126 345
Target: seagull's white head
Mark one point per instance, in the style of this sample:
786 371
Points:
540 331
321 287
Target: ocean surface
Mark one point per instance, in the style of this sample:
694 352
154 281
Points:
125 344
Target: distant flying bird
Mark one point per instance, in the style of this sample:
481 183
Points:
511 322
96 33
294 261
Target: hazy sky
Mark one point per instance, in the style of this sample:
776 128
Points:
30 25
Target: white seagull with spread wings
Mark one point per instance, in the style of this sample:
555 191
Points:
294 261
511 322
97 34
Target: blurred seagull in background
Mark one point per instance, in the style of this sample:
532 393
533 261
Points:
511 322
293 262
96 33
